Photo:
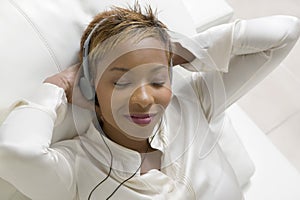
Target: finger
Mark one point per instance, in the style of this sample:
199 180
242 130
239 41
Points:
71 74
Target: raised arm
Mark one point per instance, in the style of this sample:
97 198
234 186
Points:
27 160
244 51
259 46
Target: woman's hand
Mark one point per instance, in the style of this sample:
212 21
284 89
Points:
181 55
68 80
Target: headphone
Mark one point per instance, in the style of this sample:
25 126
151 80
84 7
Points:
85 81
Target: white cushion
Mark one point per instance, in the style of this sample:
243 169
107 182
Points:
274 178
41 38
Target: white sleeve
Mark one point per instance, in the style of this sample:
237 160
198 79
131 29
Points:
244 52
259 46
27 161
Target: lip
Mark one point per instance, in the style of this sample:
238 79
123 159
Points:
141 119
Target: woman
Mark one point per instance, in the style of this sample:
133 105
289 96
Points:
155 132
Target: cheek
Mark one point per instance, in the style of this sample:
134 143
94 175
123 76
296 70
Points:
104 104
164 97
110 100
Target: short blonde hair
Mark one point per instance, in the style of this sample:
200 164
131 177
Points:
125 24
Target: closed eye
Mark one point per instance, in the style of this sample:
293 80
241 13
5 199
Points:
121 84
158 84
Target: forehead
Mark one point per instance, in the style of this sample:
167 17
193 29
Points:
141 57
149 52
131 54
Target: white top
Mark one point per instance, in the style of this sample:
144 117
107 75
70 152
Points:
193 165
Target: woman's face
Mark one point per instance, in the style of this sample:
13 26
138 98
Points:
134 90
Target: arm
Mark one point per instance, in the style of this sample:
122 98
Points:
244 52
27 160
259 46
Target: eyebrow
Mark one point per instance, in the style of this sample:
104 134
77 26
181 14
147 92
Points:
126 70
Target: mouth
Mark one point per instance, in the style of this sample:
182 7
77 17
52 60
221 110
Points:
141 119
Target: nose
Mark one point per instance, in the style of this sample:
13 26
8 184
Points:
142 97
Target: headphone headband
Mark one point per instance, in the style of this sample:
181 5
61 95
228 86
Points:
84 83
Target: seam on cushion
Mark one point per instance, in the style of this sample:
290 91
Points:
18 196
35 28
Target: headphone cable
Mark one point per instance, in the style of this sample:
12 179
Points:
110 169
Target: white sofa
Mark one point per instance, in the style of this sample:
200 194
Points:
274 178
39 38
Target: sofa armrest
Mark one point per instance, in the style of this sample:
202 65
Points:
206 14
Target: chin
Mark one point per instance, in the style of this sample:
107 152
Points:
137 132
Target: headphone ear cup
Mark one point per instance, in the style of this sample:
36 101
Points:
86 88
